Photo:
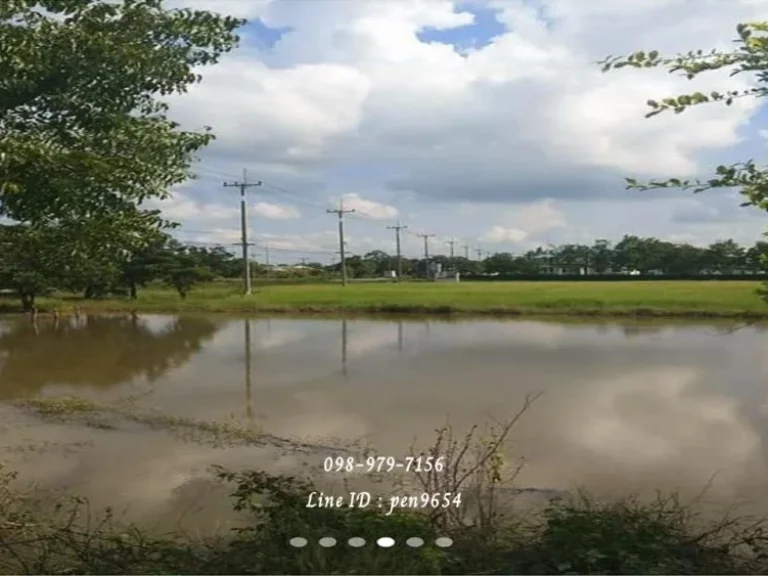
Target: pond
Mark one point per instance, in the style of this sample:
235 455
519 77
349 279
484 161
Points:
625 406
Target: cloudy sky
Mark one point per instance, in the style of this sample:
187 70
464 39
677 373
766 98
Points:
483 121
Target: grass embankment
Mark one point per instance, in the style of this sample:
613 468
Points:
734 299
571 536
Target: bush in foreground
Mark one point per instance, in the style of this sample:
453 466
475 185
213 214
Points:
574 535
570 537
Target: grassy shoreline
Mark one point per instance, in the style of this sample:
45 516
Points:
650 299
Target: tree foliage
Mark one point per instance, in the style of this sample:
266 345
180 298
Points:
750 56
182 269
29 261
85 131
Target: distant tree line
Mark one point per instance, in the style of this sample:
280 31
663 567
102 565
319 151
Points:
632 254
38 260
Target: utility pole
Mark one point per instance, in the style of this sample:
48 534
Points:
267 263
426 244
426 237
340 212
451 243
244 224
247 266
480 253
397 244
466 251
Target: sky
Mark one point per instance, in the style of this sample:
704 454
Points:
483 122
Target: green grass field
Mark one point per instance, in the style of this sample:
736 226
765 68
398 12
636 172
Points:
650 298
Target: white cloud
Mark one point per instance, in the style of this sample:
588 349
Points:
369 208
275 211
325 241
224 236
527 221
351 89
181 207
501 234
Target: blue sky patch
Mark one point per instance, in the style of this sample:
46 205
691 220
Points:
472 36
258 35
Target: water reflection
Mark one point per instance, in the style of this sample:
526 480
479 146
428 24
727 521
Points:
95 351
361 342
248 392
627 406
344 346
642 330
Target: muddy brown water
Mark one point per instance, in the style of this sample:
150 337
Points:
626 407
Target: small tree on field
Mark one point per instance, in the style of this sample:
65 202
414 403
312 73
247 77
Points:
750 56
183 271
29 263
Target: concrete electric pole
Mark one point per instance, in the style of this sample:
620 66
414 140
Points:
340 212
244 185
397 244
451 243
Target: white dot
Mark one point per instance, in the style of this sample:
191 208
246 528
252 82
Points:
415 542
443 542
298 542
356 542
386 542
327 542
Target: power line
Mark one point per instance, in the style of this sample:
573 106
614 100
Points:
244 185
212 173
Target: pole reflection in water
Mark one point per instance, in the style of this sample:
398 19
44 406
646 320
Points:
344 346
248 397
399 335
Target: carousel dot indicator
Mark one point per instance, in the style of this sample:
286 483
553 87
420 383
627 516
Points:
298 542
356 542
385 542
443 542
327 542
415 542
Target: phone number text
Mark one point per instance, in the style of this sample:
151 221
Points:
384 464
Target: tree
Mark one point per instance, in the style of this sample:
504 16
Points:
182 271
749 56
85 131
601 256
382 262
145 264
725 256
684 259
754 260
28 261
221 261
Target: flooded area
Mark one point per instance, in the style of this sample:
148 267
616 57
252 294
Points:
625 407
